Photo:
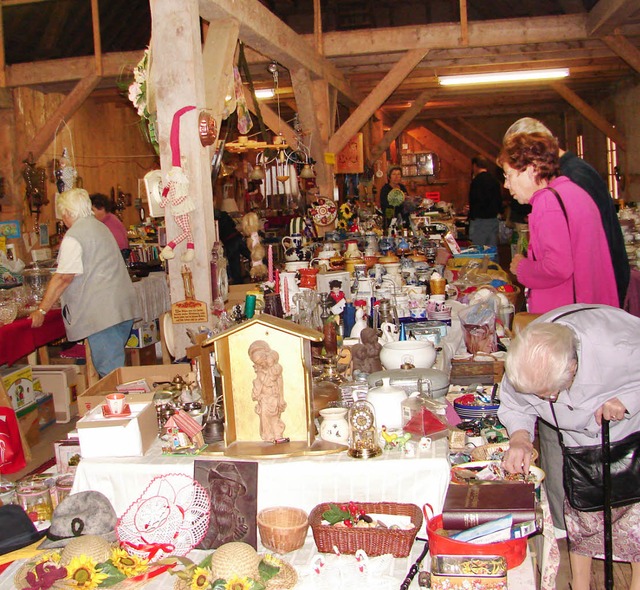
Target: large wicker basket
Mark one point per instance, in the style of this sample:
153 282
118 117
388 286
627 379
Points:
374 541
282 528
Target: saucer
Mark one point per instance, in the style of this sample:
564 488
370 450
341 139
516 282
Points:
107 413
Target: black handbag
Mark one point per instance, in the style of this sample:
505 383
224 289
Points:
582 473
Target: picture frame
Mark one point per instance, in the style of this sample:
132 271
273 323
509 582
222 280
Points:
233 490
350 160
67 454
44 234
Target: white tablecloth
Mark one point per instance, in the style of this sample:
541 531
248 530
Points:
303 482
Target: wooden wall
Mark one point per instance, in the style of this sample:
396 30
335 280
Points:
102 137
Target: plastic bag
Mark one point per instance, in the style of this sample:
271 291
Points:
479 327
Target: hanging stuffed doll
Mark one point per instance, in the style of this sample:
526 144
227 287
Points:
175 195
250 226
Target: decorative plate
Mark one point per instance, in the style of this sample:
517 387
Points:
323 211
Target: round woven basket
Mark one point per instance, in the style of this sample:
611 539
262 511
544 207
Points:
283 528
492 451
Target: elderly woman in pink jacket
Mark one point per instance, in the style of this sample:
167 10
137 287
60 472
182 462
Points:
568 259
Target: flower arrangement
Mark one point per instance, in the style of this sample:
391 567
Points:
200 576
348 515
138 92
83 572
395 197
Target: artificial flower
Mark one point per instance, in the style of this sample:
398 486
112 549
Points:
202 577
53 557
129 565
44 575
238 583
82 573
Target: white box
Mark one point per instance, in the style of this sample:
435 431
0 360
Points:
130 436
65 383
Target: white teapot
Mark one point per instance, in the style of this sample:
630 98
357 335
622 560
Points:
387 402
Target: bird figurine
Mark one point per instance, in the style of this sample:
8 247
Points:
389 438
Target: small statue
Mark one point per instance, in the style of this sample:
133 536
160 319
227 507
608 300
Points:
366 355
268 390
360 323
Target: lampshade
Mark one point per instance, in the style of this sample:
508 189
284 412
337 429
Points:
257 173
307 172
229 205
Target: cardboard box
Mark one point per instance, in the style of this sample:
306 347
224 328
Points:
67 455
143 334
65 383
129 436
46 411
29 425
18 383
94 395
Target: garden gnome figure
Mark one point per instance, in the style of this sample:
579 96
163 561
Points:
175 195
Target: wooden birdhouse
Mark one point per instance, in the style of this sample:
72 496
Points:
265 367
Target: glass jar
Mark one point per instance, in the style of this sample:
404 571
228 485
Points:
62 488
35 498
7 493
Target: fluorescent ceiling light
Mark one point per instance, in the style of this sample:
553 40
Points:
265 93
518 76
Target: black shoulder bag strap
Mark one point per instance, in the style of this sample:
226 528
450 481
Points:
566 217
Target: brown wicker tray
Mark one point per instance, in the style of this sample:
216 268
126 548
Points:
373 541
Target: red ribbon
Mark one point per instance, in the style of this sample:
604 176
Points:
152 548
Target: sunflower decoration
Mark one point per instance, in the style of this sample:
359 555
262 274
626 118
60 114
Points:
346 214
202 577
128 565
84 572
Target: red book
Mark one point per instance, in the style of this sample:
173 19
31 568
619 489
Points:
469 505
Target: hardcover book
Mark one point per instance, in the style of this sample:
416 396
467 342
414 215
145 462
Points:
469 505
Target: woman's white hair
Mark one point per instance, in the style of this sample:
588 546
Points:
527 125
75 203
542 359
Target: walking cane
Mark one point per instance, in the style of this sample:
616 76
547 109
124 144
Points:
606 488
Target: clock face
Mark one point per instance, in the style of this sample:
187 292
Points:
361 417
223 282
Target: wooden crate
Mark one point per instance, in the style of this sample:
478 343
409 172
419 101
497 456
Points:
466 372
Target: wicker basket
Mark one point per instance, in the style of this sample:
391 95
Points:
282 528
485 452
373 541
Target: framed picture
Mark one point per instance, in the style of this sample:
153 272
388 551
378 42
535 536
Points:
67 454
10 229
44 234
350 160
233 489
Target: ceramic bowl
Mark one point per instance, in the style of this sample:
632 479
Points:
420 353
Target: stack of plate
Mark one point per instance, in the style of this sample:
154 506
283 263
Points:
472 406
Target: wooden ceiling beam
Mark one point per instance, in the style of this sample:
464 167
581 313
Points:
509 31
465 140
218 52
267 34
375 99
608 15
589 113
400 125
114 65
479 132
72 102
625 49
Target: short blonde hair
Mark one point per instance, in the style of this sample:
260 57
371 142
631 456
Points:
75 203
542 358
